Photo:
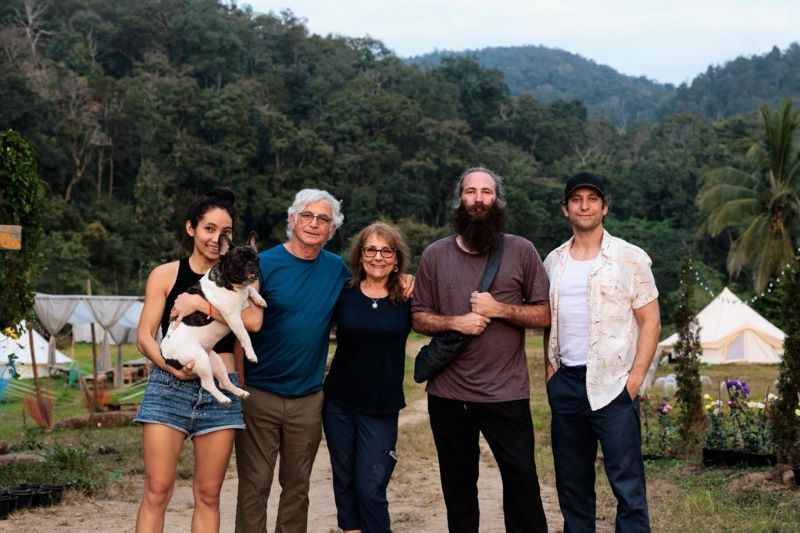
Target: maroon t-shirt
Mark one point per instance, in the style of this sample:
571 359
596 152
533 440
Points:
492 367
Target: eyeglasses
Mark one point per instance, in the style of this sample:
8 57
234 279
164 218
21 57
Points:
371 251
308 216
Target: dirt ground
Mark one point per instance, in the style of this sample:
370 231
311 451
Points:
415 501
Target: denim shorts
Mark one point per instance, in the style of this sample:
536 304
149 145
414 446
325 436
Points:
187 407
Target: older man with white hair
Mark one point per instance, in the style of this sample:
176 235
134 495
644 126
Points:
301 283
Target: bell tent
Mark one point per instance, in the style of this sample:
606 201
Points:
732 332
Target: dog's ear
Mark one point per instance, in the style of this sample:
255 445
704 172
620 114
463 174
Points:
252 240
224 244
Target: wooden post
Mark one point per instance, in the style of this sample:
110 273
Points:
94 350
33 361
44 408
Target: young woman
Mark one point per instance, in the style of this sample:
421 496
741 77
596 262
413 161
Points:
174 405
364 388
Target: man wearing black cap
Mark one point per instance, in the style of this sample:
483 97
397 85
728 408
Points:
604 330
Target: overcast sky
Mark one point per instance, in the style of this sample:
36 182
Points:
667 40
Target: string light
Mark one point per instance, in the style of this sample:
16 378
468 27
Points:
787 268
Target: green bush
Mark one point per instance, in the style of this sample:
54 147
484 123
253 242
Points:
20 204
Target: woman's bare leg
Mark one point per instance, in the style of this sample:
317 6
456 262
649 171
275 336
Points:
162 448
212 453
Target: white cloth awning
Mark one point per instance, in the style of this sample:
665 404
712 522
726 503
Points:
115 314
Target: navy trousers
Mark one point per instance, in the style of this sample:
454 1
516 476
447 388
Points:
362 450
508 429
576 430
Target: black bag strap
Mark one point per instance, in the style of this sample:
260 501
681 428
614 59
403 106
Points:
491 265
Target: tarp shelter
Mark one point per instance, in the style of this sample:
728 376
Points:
83 333
21 349
115 314
732 332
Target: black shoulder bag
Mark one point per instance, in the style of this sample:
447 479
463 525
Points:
444 347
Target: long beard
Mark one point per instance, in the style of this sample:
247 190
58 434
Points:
479 230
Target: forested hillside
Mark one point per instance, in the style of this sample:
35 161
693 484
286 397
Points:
135 107
737 87
551 74
741 85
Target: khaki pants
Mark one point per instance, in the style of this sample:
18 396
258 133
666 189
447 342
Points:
291 428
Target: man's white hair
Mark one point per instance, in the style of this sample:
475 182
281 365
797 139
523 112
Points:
309 196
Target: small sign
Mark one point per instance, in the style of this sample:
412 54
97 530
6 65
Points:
10 237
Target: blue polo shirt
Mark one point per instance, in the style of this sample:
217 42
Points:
292 345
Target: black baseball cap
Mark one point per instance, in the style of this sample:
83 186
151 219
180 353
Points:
584 179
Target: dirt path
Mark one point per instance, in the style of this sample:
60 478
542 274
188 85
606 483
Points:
414 496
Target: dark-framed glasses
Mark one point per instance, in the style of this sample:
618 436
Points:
308 216
371 251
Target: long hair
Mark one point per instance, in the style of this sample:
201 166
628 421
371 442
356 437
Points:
220 197
500 189
394 238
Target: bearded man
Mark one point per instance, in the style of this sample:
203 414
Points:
486 388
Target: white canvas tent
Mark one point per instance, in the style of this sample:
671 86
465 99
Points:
21 349
732 332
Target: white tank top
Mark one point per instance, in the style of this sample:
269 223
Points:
573 312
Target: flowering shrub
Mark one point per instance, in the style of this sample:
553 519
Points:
739 423
718 435
660 438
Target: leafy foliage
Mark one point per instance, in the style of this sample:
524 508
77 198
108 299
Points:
786 425
550 74
688 350
761 207
20 204
739 86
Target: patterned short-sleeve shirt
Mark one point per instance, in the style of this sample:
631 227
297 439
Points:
620 282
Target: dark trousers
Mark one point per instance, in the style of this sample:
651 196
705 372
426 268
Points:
576 430
508 429
362 450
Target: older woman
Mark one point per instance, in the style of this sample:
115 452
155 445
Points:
364 388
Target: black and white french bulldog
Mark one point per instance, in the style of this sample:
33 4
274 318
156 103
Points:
227 286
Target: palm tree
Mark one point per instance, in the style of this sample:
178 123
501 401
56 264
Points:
761 207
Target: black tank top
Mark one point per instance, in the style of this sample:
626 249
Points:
186 278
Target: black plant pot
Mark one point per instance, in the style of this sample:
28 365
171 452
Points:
713 457
758 459
732 457
24 497
56 493
42 497
7 505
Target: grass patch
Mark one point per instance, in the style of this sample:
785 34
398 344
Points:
761 378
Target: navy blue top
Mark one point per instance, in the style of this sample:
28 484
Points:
292 345
367 369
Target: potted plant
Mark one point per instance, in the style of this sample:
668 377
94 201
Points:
659 437
751 425
717 435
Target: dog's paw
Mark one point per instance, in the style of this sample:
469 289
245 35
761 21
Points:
251 356
259 301
224 400
244 395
